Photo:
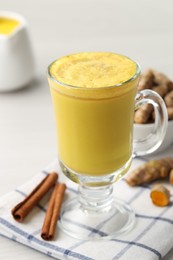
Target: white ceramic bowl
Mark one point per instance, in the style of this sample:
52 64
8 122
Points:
141 130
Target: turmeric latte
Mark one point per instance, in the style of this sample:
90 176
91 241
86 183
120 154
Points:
8 25
93 97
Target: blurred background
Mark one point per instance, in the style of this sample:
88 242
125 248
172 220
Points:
142 30
133 28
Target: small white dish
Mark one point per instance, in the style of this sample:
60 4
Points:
140 131
16 55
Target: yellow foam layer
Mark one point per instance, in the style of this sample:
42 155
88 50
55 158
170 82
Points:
93 69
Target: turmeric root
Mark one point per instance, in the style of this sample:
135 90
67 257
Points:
162 79
170 113
169 160
171 177
146 80
169 99
160 195
162 90
161 84
150 171
142 115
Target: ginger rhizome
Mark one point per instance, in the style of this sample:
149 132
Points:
150 171
161 84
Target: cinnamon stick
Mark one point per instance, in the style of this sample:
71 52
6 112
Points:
53 211
21 210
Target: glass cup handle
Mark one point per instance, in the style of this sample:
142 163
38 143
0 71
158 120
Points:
150 142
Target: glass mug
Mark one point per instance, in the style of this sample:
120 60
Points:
95 142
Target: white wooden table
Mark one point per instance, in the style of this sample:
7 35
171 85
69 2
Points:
141 30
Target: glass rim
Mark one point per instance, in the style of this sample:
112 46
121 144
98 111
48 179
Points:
137 73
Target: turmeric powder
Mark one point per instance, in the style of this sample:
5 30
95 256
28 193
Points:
160 195
150 171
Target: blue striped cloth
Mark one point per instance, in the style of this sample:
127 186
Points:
150 239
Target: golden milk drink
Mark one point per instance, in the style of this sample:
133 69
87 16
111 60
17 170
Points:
8 25
93 96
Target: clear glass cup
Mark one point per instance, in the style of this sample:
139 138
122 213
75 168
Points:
95 149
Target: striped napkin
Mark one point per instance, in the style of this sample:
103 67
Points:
150 239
